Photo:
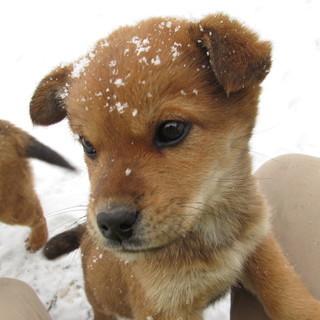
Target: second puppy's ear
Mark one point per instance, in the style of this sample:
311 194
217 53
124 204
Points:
47 104
238 59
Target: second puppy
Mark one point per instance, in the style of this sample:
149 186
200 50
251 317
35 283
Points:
19 204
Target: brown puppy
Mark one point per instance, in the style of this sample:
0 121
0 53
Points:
19 203
164 111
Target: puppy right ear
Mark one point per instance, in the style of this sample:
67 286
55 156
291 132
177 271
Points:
237 57
47 104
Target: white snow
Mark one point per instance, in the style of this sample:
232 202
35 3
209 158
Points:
79 67
113 63
119 82
288 120
175 52
142 45
169 24
161 25
62 94
105 44
144 60
156 61
121 107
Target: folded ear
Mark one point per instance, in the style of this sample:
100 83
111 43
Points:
237 57
47 104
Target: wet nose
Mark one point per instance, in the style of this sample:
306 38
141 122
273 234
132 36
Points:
117 224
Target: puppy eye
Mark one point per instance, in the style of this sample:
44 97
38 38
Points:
170 133
88 148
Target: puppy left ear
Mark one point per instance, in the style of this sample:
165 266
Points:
47 104
238 59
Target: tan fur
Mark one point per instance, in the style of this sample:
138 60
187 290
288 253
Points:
201 214
19 203
277 285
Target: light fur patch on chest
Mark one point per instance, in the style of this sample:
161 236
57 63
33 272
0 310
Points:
168 289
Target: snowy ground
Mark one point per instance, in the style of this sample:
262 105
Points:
38 35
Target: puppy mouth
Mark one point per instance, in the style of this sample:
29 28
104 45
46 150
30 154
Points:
138 251
131 247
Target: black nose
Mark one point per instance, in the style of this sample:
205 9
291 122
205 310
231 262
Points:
117 224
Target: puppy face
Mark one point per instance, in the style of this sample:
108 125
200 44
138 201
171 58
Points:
164 111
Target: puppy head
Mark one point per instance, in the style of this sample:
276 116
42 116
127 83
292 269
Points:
164 111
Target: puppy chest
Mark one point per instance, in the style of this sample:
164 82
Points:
194 288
